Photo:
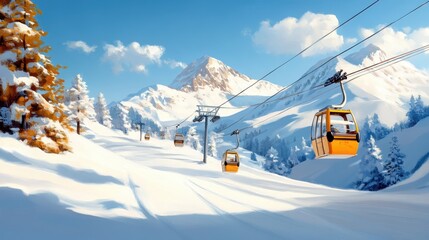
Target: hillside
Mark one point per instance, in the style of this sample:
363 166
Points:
343 173
386 92
112 186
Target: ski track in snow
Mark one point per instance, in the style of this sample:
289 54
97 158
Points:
270 214
149 215
146 212
234 218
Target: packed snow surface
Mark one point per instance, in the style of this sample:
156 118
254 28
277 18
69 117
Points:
111 186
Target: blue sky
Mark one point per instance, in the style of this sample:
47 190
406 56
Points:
120 47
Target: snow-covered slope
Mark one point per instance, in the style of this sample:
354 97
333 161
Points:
114 187
207 81
343 173
385 92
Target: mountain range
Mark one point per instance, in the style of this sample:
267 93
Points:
208 81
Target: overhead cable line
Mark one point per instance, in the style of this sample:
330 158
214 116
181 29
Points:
184 120
286 62
368 69
298 54
337 55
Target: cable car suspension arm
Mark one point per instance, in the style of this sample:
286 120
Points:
338 78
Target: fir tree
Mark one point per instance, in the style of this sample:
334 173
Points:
192 139
80 105
212 145
370 177
102 112
393 171
120 118
416 111
34 103
253 157
293 158
306 151
269 159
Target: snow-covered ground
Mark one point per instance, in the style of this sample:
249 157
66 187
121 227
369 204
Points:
112 186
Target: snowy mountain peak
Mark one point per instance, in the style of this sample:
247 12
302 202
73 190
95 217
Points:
370 53
207 72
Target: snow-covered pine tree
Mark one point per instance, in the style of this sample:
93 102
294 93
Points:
273 163
80 105
306 152
373 127
293 158
269 159
370 177
30 88
192 139
212 145
393 170
102 112
416 111
253 157
120 119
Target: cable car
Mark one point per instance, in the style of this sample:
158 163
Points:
230 161
147 136
179 140
335 132
231 158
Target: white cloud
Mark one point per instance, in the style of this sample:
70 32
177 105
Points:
175 64
394 42
291 35
135 57
81 45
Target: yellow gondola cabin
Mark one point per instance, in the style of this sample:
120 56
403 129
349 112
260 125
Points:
335 133
230 161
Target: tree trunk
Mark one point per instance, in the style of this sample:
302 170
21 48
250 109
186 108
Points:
23 122
78 127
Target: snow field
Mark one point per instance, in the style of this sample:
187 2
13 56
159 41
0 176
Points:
118 187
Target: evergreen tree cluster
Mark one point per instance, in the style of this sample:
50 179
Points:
377 173
126 119
287 155
417 111
373 127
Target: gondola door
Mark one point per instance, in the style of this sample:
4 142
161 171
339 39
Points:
319 140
